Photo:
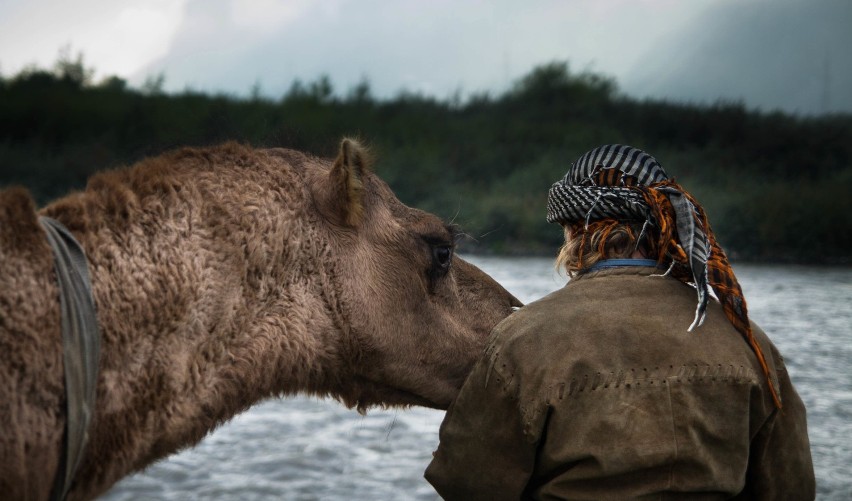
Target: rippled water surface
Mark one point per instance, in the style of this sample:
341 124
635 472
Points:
304 449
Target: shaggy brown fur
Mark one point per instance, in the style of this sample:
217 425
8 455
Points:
222 277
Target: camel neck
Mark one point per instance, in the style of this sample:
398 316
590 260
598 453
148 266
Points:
200 319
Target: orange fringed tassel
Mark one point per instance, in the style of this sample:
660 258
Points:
720 275
756 347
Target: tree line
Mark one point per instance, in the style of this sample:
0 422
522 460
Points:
776 187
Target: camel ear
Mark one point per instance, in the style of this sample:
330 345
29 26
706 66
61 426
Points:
345 184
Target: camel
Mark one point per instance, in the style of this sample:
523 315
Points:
221 277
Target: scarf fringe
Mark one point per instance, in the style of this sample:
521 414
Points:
717 272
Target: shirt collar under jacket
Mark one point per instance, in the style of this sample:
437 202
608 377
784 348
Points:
615 263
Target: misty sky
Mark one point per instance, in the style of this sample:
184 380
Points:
791 55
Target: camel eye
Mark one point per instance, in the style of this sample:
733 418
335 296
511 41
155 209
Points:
443 256
441 248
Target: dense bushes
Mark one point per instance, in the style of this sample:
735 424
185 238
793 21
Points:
776 187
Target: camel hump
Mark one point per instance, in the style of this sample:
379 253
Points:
19 228
341 199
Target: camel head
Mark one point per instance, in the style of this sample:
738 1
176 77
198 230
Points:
417 315
223 276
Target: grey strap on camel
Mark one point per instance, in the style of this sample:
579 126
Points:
81 348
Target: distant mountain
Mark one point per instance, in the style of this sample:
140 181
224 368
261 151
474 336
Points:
781 54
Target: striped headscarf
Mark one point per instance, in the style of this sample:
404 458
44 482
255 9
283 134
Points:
625 184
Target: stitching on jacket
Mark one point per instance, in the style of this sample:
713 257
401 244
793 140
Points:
497 368
530 411
656 376
674 439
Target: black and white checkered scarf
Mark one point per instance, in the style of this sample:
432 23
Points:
609 182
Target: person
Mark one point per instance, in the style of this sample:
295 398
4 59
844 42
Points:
631 381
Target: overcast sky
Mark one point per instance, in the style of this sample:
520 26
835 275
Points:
771 54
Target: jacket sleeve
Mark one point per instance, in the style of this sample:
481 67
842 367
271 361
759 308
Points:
780 465
484 451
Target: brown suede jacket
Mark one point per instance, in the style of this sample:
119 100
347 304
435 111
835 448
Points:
597 391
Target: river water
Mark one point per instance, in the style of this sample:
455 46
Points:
308 449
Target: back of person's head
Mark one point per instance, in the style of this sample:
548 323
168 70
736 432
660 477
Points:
601 216
606 239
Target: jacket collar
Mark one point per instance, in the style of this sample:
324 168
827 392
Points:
590 273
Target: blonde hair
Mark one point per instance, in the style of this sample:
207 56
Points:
605 239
